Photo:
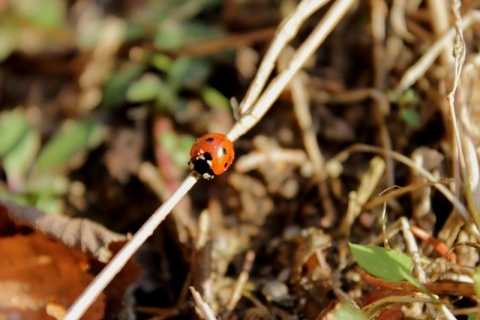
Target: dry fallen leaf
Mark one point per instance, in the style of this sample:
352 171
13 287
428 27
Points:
83 234
37 273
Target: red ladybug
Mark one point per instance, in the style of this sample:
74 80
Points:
211 155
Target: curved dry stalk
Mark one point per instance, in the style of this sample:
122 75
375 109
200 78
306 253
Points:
439 13
241 281
287 31
203 308
318 35
408 162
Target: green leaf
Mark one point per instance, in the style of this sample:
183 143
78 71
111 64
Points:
346 312
473 316
170 36
17 198
13 126
178 147
74 137
189 73
49 184
383 263
410 116
18 145
386 264
144 89
166 98
45 13
8 37
215 99
49 204
19 160
120 80
161 62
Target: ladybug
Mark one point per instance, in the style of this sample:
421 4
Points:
211 155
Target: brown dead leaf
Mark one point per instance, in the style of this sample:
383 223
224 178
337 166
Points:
85 235
39 277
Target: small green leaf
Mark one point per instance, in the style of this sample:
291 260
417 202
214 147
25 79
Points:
346 312
177 146
410 116
49 204
386 264
215 99
75 136
145 89
170 36
473 316
184 145
120 80
8 37
408 98
48 184
46 13
18 161
189 73
13 127
166 98
161 62
17 198
383 263
19 145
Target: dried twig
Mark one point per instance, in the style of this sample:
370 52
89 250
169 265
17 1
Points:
122 257
203 307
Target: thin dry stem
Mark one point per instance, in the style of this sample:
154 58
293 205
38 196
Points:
408 162
287 31
241 281
397 19
439 17
121 258
311 44
203 308
425 62
412 248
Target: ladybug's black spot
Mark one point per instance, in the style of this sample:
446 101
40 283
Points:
224 151
225 165
209 140
208 156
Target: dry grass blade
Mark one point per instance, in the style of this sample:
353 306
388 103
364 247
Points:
203 308
408 162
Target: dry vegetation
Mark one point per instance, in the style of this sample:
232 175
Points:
374 141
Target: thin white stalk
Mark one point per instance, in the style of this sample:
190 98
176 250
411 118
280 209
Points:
203 307
118 262
311 44
284 35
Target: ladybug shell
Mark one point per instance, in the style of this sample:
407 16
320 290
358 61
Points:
211 155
